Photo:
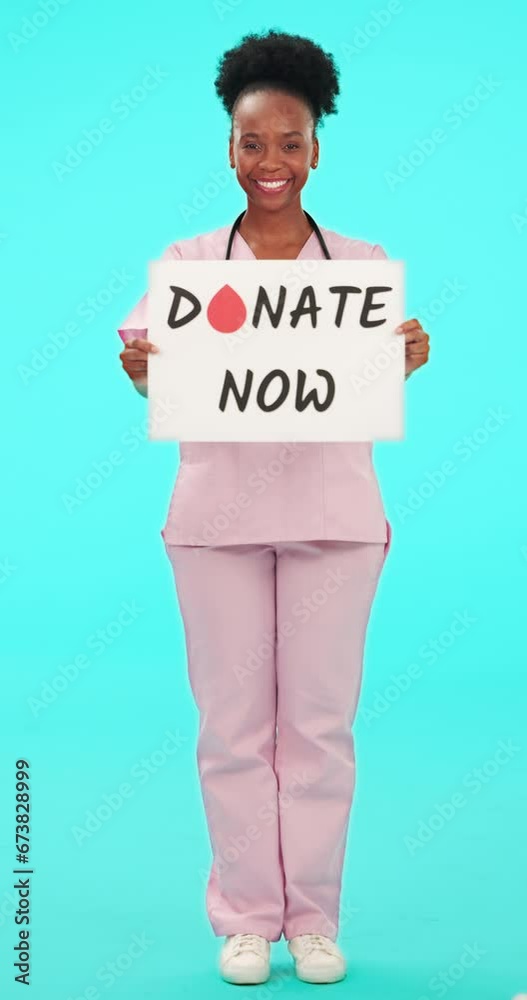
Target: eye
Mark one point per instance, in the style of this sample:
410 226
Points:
292 145
250 145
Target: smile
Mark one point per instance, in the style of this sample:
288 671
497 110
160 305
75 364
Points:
273 187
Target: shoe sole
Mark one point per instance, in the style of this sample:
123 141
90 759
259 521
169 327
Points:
320 977
245 980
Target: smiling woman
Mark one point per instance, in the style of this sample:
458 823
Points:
320 516
276 90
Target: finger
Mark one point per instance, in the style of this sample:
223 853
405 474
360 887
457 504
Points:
417 345
417 337
136 359
133 355
410 324
139 344
135 366
417 359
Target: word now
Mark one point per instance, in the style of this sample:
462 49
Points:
227 311
301 400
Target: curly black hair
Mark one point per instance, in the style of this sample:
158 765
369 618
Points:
280 61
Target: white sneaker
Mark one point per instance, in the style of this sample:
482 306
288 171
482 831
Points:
244 959
317 959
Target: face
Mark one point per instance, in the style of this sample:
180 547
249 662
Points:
272 147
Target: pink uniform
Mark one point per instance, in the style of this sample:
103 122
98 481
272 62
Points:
231 493
277 550
275 751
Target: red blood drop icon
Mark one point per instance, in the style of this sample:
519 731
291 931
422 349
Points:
226 312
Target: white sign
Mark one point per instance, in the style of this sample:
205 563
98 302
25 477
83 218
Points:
272 350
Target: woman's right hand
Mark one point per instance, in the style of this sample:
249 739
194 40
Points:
134 361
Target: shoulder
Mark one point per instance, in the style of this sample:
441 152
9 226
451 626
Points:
212 246
349 248
206 246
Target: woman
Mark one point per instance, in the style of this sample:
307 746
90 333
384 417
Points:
276 551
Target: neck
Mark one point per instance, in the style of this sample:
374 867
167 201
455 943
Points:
273 227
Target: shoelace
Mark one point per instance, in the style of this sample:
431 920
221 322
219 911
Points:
248 942
317 942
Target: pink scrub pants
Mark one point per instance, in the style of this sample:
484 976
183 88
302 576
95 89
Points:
275 637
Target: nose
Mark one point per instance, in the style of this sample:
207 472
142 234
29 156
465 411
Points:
271 160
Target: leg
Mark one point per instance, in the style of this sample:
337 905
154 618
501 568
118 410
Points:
227 600
324 592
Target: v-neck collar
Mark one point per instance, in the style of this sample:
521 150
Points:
249 254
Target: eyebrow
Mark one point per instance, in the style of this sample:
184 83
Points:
256 135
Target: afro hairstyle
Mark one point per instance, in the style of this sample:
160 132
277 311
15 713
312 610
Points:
282 62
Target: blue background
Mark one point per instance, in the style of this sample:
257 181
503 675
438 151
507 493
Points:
460 539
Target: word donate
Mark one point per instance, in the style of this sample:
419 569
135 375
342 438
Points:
246 354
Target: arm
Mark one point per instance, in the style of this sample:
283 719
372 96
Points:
134 334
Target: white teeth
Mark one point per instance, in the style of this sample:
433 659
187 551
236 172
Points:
272 184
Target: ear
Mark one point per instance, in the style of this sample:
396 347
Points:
316 154
231 151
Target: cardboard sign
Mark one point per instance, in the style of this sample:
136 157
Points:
273 350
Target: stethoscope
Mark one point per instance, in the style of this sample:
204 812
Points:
309 218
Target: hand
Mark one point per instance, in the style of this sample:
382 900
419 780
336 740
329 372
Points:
417 344
134 360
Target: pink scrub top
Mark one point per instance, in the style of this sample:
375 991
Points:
229 493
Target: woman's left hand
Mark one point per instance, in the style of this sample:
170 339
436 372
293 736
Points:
417 344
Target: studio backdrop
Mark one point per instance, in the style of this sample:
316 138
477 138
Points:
114 147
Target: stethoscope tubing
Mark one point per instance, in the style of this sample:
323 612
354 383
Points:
309 218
